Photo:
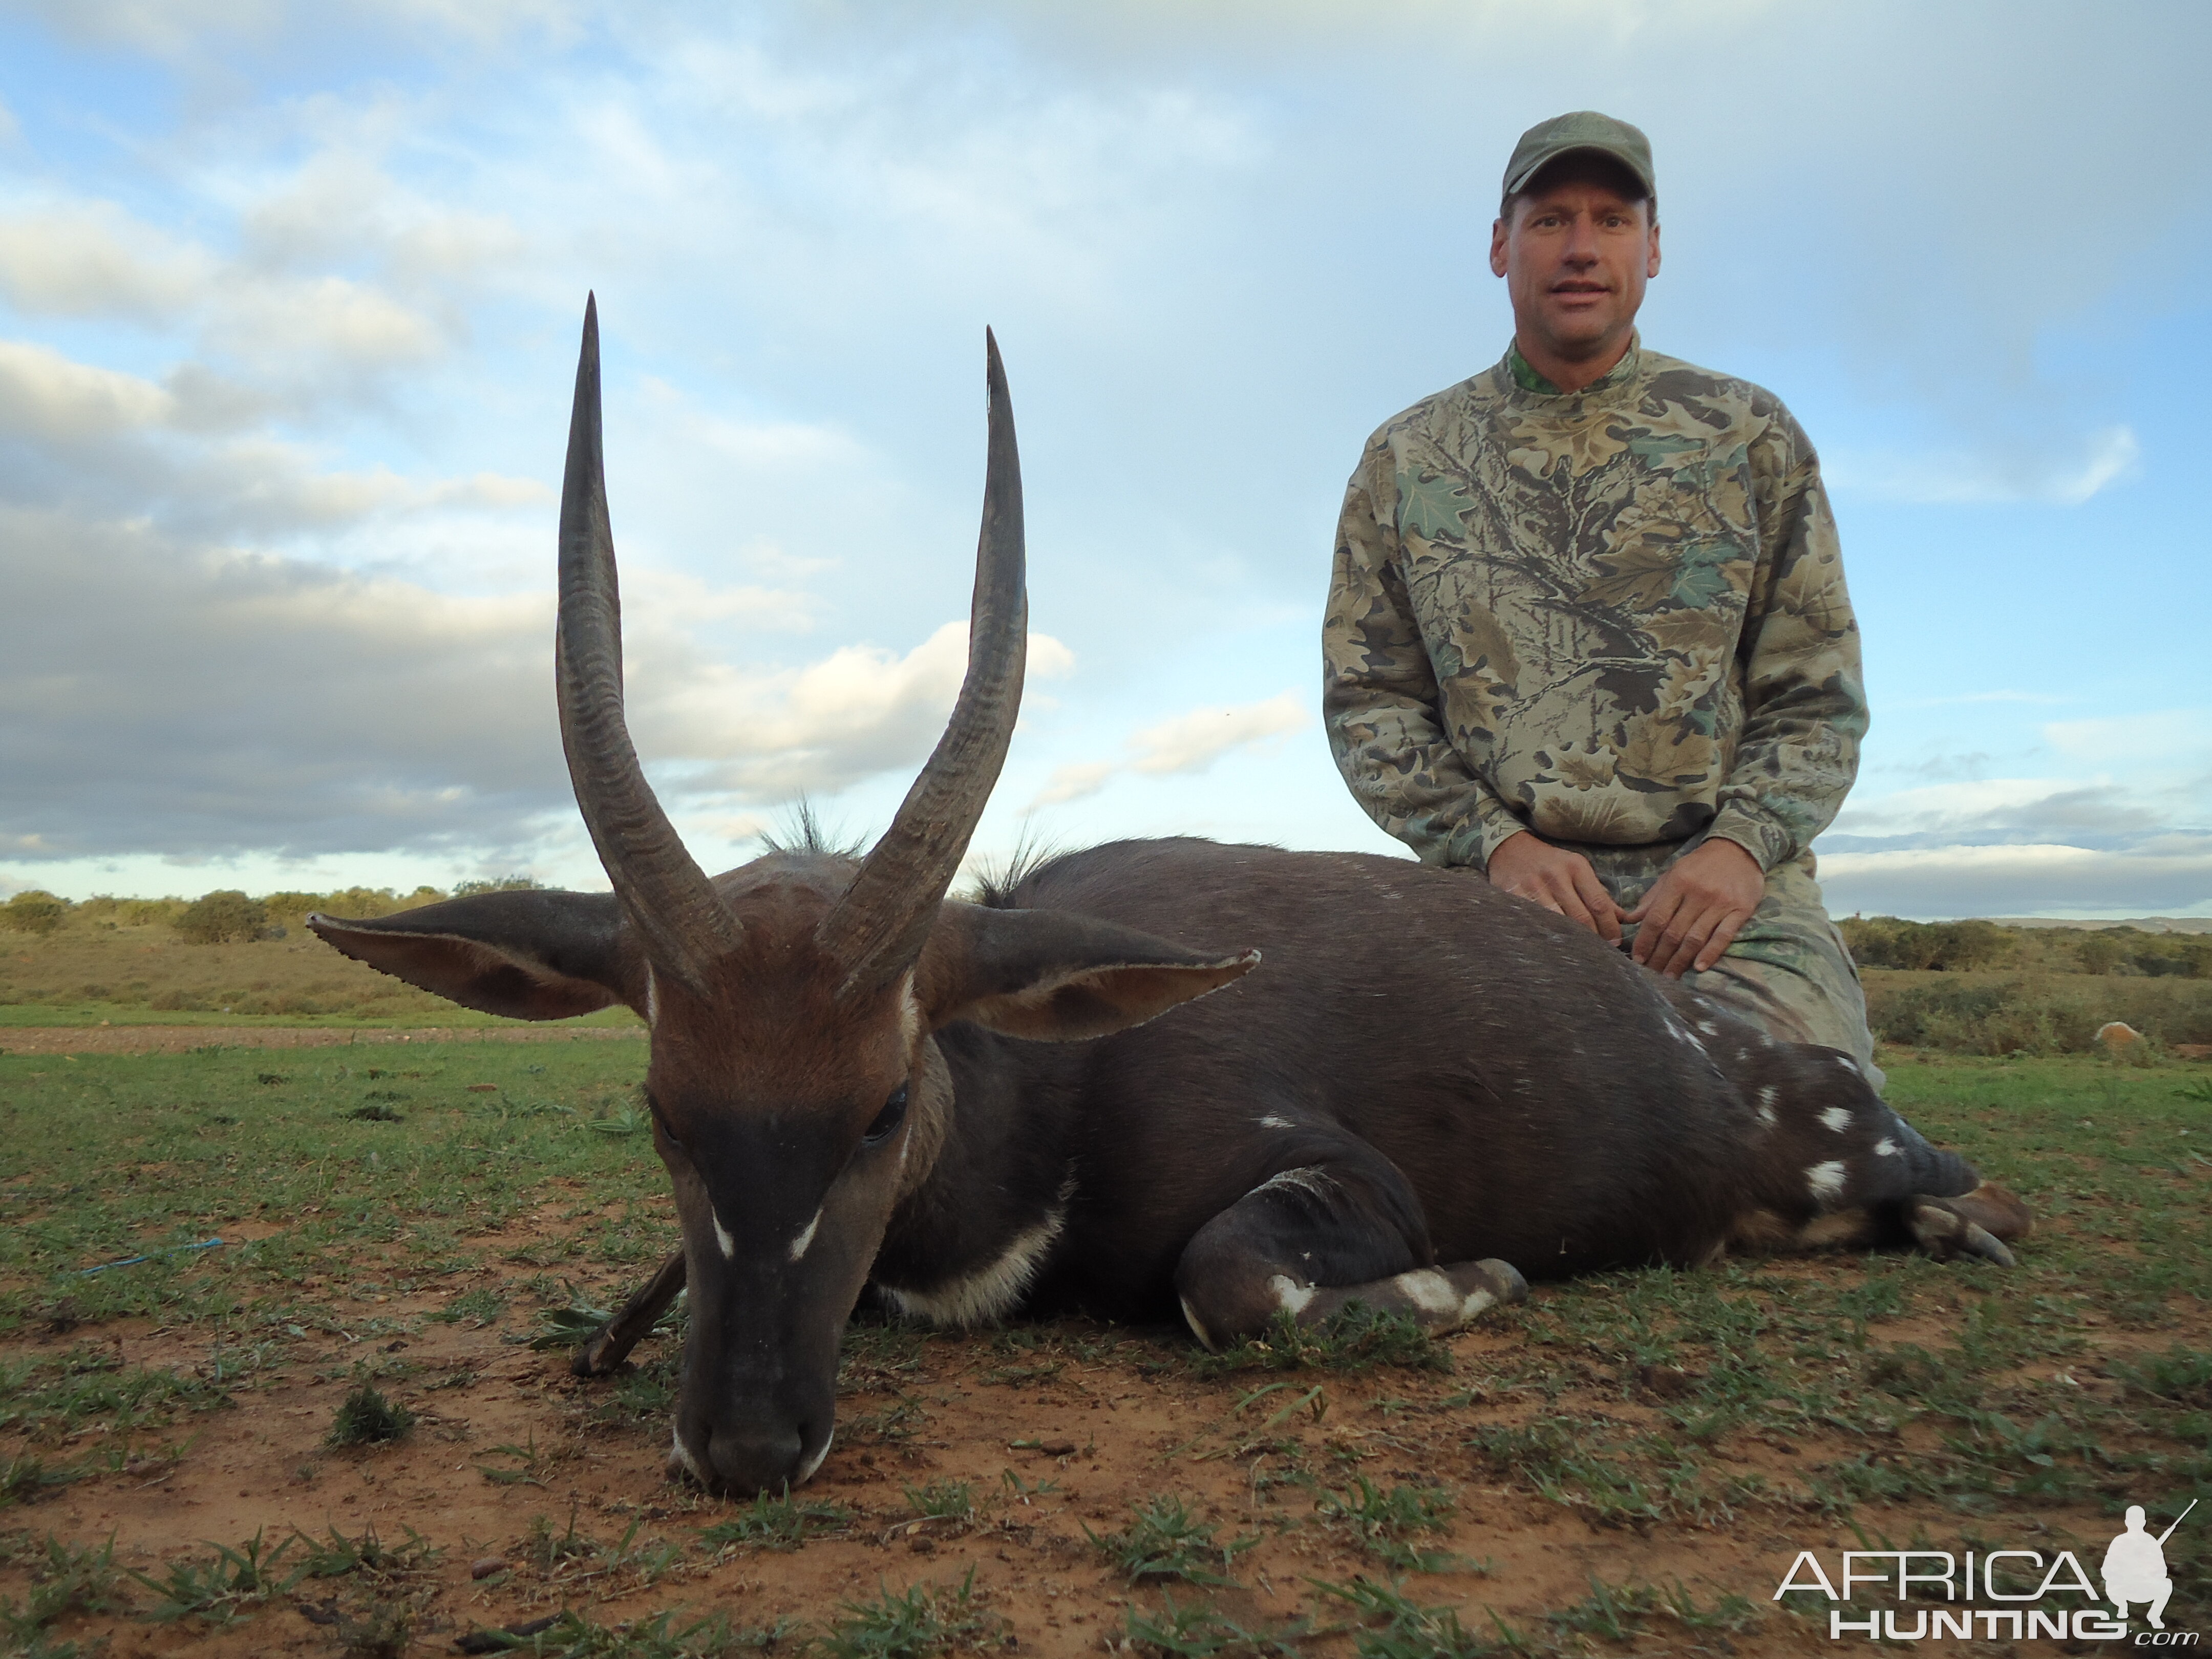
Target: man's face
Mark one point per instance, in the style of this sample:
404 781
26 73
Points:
1575 259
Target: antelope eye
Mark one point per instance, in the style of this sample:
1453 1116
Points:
652 1107
888 1119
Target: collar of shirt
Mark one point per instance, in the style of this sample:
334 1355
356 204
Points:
1529 380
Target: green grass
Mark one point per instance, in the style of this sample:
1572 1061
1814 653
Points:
774 1522
920 1621
1164 1542
1355 1340
108 1156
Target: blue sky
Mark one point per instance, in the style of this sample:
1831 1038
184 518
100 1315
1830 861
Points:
289 304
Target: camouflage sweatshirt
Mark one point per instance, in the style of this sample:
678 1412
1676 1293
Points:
1615 615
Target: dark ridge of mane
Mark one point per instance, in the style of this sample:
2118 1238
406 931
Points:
805 835
995 884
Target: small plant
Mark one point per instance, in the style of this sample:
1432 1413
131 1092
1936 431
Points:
480 1307
1165 1542
1354 1339
1385 1522
366 1417
25 1478
943 1500
1393 1627
525 1471
339 1555
71 1579
545 1551
1198 1632
222 1589
778 1523
574 1636
376 1112
921 1621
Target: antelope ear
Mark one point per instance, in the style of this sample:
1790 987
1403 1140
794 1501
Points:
1057 976
525 955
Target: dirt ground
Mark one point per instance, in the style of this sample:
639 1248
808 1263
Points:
1097 1438
181 1039
525 1478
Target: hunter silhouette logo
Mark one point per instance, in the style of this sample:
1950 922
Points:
2134 1566
2029 1591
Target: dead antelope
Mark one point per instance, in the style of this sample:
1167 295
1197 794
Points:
978 1108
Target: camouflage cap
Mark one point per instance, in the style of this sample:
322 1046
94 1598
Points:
1585 128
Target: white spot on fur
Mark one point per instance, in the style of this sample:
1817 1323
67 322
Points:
1680 1032
816 1461
798 1247
729 1246
1291 1297
1885 1147
652 998
1848 1064
994 1290
1837 1118
1826 1181
1767 1095
1197 1326
1708 1028
1271 1121
1429 1290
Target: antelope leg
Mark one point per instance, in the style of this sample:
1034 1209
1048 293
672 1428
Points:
609 1345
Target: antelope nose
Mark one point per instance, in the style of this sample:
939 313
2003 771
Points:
753 1457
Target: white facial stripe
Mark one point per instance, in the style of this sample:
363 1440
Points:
722 1236
652 998
799 1247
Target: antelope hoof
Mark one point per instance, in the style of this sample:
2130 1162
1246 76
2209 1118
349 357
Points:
1944 1233
599 1356
1502 1279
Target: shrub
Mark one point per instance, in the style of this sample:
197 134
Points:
34 912
226 916
1891 942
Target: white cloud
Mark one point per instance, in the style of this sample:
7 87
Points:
2171 875
44 395
813 730
1984 477
1184 743
90 259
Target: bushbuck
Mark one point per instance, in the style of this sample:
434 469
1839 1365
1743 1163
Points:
1399 1079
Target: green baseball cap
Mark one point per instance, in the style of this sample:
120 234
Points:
1585 128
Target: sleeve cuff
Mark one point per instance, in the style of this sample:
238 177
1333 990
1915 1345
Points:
1764 840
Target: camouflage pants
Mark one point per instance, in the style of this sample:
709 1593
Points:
1788 971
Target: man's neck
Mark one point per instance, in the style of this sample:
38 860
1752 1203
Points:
1564 375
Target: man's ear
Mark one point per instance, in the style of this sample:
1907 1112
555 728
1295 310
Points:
526 955
1057 976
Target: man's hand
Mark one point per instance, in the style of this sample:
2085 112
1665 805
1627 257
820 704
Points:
1693 913
1559 880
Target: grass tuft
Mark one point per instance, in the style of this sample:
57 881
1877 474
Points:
1165 1542
782 1522
920 1622
1356 1338
366 1417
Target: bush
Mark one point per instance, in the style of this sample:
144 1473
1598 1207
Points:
2034 1015
34 912
1954 947
226 916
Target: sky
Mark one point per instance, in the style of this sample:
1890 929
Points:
289 301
